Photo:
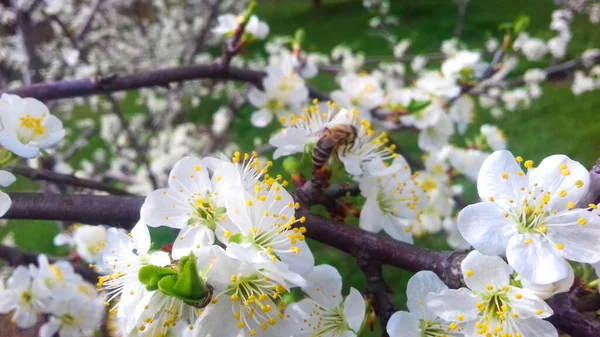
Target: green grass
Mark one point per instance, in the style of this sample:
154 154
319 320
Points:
559 122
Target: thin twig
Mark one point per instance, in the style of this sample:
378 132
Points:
15 257
201 39
133 139
88 22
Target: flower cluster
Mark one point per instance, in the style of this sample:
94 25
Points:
239 249
73 307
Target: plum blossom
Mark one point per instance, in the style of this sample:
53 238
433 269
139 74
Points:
359 91
189 204
325 312
490 305
283 91
27 126
19 297
393 203
532 217
419 320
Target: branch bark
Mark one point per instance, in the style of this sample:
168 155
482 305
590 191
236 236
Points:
163 77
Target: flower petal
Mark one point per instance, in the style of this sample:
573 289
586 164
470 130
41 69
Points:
191 239
501 178
549 176
403 324
479 271
421 284
324 286
354 309
535 259
484 227
261 118
450 303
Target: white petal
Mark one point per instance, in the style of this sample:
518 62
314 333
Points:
50 328
536 327
539 262
190 174
6 178
301 263
545 291
159 258
11 142
421 284
166 207
257 97
354 309
324 286
548 176
261 118
370 216
491 181
403 324
479 271
237 209
141 236
527 304
191 239
5 203
484 226
351 163
580 243
216 320
24 318
450 303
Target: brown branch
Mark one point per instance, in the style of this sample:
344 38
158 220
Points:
66 179
161 78
124 212
15 257
568 319
377 290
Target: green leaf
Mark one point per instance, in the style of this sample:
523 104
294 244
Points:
151 275
190 285
505 26
521 24
416 106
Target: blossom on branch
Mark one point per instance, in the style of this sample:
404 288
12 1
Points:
532 217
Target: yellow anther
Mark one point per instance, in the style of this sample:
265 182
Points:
570 205
469 273
504 175
579 183
562 193
559 246
582 221
519 159
565 173
529 164
527 241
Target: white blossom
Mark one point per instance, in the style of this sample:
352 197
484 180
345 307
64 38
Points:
532 217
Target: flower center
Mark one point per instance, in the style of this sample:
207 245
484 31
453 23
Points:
434 329
206 212
26 297
495 309
331 322
252 300
34 124
530 217
68 319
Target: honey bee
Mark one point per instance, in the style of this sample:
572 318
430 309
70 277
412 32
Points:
331 140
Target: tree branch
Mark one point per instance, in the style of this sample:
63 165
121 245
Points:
162 77
123 212
66 179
